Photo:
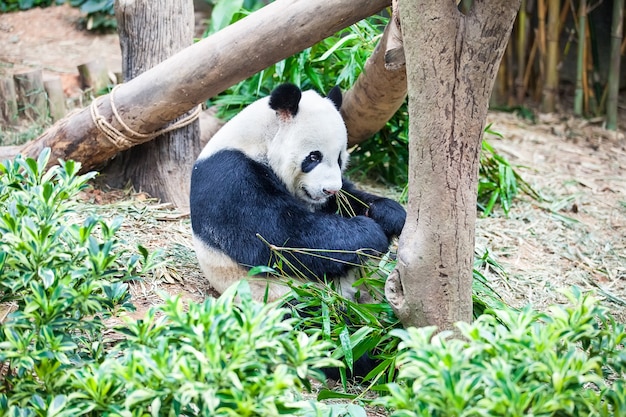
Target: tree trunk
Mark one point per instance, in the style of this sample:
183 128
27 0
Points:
451 60
175 86
151 32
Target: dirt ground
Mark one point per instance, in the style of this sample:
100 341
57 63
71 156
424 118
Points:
576 236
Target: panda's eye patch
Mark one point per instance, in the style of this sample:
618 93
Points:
339 161
311 161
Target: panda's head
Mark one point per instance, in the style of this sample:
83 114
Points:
309 150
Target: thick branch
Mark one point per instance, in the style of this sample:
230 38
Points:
379 91
180 83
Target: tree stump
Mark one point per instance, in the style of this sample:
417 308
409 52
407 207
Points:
31 96
94 75
151 32
56 98
8 102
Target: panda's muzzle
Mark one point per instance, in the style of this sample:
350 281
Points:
321 198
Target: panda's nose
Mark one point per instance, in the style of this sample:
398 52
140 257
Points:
330 191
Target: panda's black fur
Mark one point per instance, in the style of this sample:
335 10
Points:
239 203
250 202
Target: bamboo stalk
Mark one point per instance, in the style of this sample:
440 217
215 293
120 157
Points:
551 85
541 33
522 46
580 62
591 77
529 62
614 69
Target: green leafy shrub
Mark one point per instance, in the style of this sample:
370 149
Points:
569 361
100 14
498 180
337 60
59 278
14 5
217 358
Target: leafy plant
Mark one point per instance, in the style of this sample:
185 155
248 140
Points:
14 5
100 14
569 361
217 358
337 60
59 278
498 181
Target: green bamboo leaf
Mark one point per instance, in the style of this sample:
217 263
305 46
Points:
346 346
222 14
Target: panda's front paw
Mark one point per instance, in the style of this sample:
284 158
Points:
389 214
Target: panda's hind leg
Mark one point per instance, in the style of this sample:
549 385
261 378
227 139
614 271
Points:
345 286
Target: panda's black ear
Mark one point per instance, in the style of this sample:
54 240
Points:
335 96
285 99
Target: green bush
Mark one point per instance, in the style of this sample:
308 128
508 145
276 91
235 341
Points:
569 361
100 14
216 358
59 278
14 5
338 60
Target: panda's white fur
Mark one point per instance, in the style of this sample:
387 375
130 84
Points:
297 140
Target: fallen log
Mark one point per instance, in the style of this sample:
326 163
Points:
154 98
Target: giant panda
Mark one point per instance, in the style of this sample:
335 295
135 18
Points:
273 176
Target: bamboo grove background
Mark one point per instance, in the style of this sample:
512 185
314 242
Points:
564 55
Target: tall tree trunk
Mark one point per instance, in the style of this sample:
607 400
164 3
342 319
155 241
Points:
451 61
150 32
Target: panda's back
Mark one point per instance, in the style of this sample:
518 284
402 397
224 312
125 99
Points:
249 131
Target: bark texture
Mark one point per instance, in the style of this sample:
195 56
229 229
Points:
151 32
154 98
451 60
